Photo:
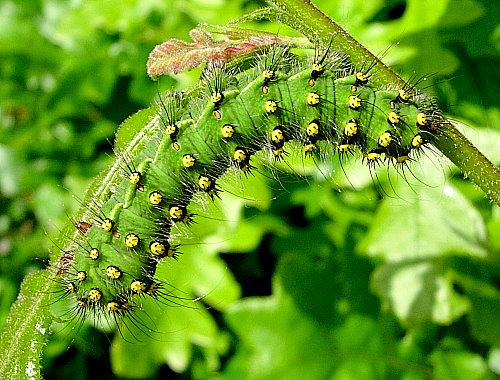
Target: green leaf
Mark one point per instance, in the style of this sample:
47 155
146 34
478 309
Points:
132 125
278 341
435 223
485 301
419 292
458 365
9 172
181 328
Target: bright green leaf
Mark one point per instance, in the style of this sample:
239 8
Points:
419 292
436 223
458 365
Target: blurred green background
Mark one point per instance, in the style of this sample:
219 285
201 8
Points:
304 282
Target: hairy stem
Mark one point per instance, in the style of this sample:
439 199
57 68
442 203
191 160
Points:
317 26
470 160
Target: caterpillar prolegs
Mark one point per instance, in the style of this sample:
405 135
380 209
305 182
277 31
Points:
322 106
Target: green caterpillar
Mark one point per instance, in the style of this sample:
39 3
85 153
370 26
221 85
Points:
321 109
325 105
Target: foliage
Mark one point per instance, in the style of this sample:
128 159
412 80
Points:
324 278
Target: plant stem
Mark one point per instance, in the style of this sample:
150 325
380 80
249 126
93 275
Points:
318 26
470 160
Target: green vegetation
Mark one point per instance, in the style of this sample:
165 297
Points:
316 279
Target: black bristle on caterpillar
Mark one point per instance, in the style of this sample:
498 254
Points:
325 105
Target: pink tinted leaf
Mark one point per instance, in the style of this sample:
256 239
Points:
176 56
